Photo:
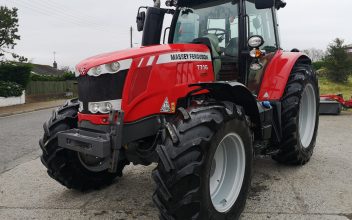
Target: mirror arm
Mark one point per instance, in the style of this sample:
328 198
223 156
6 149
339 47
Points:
139 10
168 28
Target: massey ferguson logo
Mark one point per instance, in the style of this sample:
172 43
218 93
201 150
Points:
184 57
188 56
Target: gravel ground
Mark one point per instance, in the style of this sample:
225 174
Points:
320 190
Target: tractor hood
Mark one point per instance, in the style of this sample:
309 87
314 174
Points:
126 57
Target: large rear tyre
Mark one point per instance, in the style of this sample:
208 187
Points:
205 165
300 117
67 166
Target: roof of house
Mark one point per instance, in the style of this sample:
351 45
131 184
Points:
46 70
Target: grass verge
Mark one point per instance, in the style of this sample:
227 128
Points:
328 87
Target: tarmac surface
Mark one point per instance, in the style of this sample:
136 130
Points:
19 137
322 189
30 107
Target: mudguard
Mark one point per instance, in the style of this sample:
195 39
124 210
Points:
277 73
237 93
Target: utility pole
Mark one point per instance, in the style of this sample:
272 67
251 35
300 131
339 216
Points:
131 33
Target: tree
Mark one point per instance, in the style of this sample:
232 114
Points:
66 69
9 32
337 61
68 75
315 54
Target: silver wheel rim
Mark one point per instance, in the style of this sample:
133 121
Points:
307 115
227 172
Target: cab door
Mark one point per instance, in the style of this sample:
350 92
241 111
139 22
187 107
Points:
260 22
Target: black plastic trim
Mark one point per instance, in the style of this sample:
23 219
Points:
143 128
102 88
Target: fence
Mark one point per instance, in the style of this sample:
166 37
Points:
52 88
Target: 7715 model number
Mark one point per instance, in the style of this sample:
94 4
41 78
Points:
203 67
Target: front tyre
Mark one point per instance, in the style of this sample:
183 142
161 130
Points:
205 165
68 167
300 117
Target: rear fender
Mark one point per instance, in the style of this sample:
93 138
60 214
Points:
277 73
237 93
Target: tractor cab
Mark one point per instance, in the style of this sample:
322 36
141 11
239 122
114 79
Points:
226 27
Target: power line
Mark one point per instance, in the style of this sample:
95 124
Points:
40 9
64 13
51 13
63 8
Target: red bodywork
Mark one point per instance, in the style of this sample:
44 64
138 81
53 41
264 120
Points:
150 81
338 98
276 75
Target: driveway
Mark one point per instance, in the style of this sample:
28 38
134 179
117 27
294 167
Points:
322 189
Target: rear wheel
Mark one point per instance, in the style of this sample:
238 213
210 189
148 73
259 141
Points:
300 117
205 165
72 169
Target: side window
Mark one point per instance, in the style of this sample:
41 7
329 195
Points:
187 28
217 24
219 18
255 25
233 26
261 23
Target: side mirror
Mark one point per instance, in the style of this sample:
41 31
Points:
264 4
140 21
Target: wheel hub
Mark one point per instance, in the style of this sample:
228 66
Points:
227 172
92 163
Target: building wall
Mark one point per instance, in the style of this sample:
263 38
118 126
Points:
13 100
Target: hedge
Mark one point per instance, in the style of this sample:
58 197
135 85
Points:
18 73
9 89
318 65
64 77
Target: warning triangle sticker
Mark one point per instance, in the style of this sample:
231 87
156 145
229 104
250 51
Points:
266 95
166 106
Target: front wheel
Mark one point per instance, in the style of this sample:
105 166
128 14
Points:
72 169
205 165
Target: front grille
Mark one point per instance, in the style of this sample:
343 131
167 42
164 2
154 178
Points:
102 88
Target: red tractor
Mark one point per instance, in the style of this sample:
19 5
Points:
201 106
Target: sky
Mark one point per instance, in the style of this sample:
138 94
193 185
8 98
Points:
77 29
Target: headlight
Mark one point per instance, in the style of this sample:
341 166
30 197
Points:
94 108
115 66
104 107
255 41
110 68
98 70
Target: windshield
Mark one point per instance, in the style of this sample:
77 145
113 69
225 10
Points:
216 18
